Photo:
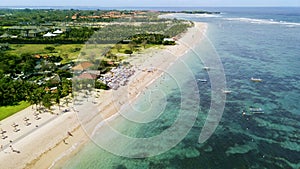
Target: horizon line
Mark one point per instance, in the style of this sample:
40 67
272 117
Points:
146 6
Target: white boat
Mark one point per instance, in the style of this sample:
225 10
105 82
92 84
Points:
256 109
206 68
227 91
260 112
202 80
256 79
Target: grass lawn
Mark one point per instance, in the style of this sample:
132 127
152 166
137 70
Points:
70 52
6 27
136 49
6 111
67 52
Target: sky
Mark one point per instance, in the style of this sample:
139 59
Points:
151 3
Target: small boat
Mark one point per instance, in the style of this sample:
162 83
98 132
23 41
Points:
261 112
256 109
206 68
202 80
256 79
227 91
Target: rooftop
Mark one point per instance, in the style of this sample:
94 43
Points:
82 66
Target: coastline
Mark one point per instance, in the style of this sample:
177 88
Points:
50 150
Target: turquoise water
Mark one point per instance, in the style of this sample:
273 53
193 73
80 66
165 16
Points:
251 42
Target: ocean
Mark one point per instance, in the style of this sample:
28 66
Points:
260 125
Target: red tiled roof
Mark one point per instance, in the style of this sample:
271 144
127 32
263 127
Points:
82 66
87 76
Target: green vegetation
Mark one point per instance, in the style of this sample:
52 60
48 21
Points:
35 35
68 52
7 111
100 85
12 17
38 49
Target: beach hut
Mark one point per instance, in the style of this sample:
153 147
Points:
82 66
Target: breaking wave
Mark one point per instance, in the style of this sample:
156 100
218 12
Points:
183 15
264 21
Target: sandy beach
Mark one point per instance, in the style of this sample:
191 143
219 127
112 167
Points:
51 139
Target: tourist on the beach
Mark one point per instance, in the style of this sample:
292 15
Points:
10 145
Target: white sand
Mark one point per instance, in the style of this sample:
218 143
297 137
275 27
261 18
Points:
50 145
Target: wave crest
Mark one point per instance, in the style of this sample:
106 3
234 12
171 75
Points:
264 21
184 15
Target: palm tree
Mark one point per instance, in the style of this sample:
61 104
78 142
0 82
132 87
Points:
57 98
38 94
144 43
33 96
47 101
67 101
31 99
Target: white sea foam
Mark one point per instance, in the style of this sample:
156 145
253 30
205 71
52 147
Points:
103 122
207 15
67 152
264 21
183 15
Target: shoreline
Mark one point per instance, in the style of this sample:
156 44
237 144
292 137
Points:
56 147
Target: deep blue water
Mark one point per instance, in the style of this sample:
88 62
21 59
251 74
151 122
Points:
251 42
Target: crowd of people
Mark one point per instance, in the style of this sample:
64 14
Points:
117 76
